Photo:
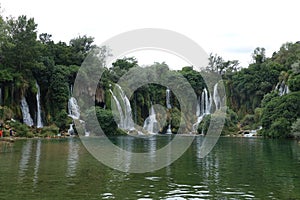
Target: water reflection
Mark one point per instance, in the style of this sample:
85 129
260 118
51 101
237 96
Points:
125 143
6 147
150 146
209 165
237 168
73 157
168 156
37 162
147 145
26 154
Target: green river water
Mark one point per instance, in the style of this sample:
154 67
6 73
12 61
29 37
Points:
236 168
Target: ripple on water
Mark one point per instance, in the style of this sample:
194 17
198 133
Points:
153 178
107 196
183 191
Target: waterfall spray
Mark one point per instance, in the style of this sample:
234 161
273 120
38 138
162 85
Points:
150 123
123 107
39 122
25 112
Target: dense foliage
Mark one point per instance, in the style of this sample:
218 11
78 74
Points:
255 96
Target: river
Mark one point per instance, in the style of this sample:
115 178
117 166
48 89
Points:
236 168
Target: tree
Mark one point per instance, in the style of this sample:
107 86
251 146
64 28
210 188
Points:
279 113
45 38
21 53
259 55
81 46
296 128
58 89
218 64
121 66
105 120
194 78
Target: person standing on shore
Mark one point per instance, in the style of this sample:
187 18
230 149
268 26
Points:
1 130
11 132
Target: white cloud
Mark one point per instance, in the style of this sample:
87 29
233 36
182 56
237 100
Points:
222 27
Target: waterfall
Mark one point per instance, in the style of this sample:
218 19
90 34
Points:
71 90
39 123
124 108
169 106
217 99
74 113
86 132
168 98
120 111
150 123
128 122
25 112
71 130
204 105
73 108
205 101
282 88
169 131
198 109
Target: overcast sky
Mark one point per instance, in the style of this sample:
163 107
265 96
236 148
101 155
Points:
232 29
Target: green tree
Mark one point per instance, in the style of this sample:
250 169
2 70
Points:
58 90
259 55
279 113
296 128
21 52
105 120
80 47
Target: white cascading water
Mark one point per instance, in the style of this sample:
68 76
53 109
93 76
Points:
206 102
74 113
168 98
27 119
124 108
204 105
169 106
39 122
128 122
120 111
198 106
217 98
150 123
169 131
74 110
71 130
282 88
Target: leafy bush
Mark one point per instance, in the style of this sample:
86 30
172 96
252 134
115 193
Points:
49 131
231 122
248 122
5 113
105 119
294 82
21 130
62 120
296 129
204 124
279 113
